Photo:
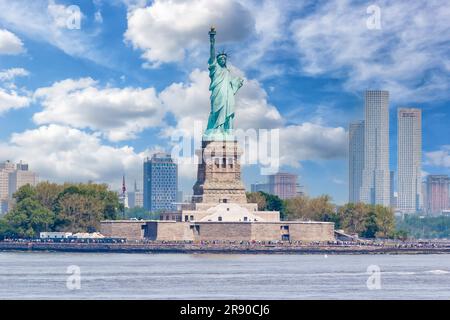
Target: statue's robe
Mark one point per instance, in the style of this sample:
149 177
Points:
223 88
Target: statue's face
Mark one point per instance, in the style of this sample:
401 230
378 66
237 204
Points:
222 60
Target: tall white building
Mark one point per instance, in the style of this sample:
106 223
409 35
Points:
376 175
19 178
5 169
12 177
355 160
409 160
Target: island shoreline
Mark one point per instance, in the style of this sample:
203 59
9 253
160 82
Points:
190 248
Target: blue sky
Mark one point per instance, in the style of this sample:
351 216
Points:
91 103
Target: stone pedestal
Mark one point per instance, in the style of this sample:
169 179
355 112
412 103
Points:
219 174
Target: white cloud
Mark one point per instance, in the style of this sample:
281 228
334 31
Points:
253 109
187 103
119 113
11 74
133 4
407 53
62 154
10 99
9 43
310 141
439 158
63 16
47 21
166 29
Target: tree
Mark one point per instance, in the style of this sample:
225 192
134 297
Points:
47 193
321 208
353 217
385 221
425 227
306 208
24 192
29 217
400 234
5 229
267 202
371 226
258 198
297 208
274 203
53 207
78 212
81 207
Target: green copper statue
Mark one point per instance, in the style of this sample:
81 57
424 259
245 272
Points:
223 87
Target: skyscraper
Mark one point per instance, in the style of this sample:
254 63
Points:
160 183
392 192
356 160
5 169
376 175
135 197
437 193
409 160
283 184
12 177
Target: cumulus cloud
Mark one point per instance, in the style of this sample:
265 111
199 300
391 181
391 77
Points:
406 54
9 43
439 158
187 102
60 153
11 74
119 113
122 113
49 22
166 29
10 99
310 141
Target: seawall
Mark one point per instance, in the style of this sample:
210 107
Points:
192 248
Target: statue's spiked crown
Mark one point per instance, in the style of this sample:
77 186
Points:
222 53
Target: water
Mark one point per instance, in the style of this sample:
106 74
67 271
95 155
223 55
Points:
178 276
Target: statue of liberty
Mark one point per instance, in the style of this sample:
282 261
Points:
223 87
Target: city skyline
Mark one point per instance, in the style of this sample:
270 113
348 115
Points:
91 103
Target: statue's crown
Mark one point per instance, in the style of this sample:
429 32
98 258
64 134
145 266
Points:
222 53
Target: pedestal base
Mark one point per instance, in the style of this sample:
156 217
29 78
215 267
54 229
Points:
219 173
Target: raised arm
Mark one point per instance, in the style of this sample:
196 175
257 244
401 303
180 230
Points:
212 41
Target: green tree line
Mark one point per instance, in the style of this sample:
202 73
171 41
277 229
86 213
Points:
365 220
59 207
425 227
